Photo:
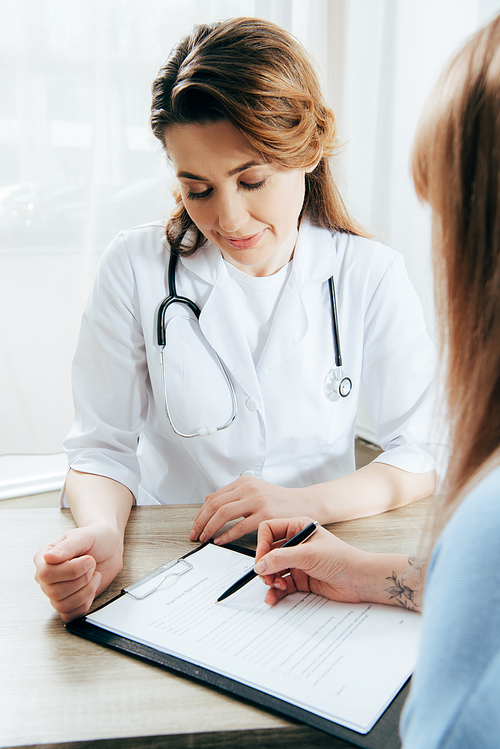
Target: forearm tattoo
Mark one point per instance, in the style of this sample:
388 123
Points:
406 590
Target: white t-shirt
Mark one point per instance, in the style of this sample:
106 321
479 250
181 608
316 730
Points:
257 298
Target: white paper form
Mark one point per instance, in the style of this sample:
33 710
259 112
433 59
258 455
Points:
344 662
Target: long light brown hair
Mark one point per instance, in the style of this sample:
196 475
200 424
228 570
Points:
258 77
456 169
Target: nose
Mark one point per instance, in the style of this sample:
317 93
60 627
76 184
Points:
232 213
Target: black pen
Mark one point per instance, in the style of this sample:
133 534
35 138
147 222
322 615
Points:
299 538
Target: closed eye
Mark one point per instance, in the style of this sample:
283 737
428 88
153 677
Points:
199 195
206 193
253 185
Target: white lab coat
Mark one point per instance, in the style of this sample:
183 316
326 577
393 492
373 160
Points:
286 431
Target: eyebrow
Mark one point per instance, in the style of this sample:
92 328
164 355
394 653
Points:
231 173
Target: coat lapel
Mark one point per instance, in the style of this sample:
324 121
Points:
313 263
221 325
289 327
220 320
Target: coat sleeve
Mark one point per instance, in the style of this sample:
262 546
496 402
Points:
399 375
110 376
455 692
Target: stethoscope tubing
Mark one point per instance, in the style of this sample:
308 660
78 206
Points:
335 322
174 298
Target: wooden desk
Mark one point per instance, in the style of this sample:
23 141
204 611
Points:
57 688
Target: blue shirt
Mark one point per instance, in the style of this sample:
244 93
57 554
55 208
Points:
454 700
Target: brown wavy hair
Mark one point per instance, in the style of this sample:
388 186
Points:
258 77
456 169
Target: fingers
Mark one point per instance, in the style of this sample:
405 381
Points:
213 502
203 516
73 544
70 586
277 530
270 564
54 574
247 525
214 515
242 498
64 561
281 587
273 596
247 497
67 574
78 566
279 560
280 568
78 603
274 562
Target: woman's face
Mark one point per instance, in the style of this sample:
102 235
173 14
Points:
247 207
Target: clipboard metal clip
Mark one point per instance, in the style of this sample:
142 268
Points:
151 575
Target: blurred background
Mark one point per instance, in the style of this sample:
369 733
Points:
78 164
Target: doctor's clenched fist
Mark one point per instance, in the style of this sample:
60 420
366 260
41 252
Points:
78 566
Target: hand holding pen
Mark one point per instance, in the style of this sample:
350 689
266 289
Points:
299 538
324 565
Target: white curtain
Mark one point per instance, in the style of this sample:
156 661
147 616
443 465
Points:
394 50
78 163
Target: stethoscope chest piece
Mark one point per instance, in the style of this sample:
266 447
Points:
337 385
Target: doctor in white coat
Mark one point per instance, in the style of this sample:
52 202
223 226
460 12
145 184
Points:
239 395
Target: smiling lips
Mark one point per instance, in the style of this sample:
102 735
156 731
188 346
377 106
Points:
244 243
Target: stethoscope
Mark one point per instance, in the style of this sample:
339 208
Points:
337 385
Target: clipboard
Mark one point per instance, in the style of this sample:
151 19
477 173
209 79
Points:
383 735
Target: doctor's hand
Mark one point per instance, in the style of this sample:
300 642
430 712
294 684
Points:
253 500
78 566
324 564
